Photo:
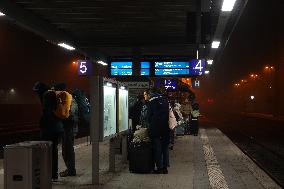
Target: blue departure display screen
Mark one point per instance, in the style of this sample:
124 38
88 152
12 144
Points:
121 68
145 65
167 83
177 68
145 68
171 72
172 64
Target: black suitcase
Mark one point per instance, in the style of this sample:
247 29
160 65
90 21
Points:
140 158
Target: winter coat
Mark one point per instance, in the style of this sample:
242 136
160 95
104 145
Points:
158 117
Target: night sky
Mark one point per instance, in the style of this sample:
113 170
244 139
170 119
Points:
251 45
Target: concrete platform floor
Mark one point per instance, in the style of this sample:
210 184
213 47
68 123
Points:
209 160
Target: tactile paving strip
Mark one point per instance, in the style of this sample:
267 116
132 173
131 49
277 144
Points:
216 177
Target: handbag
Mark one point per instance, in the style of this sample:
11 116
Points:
172 119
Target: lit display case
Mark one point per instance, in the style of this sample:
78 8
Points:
122 108
109 109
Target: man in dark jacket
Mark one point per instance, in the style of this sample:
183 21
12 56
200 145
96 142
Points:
159 132
51 127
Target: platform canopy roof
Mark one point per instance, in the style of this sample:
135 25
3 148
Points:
128 27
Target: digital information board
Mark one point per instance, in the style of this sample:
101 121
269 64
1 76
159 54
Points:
120 68
176 68
169 84
145 68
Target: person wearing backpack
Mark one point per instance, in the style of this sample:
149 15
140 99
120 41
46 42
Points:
70 124
159 131
51 127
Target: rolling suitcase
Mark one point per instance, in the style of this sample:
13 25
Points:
140 157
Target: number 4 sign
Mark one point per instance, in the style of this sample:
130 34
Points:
85 67
198 66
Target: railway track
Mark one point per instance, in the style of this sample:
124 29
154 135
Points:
272 162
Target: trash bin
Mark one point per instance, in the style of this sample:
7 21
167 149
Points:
27 165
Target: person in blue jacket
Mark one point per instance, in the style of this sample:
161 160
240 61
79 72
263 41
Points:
159 131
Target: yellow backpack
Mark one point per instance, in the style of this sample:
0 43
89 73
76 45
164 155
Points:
64 100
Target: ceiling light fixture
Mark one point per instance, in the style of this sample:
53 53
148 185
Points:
102 63
64 45
228 5
209 62
215 44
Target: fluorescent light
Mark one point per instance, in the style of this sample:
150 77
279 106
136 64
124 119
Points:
206 72
215 44
228 5
64 45
210 62
109 84
2 14
102 63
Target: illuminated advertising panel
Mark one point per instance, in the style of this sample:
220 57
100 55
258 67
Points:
123 110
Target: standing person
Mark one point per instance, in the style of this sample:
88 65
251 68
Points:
69 124
159 131
186 108
51 127
194 118
135 112
144 112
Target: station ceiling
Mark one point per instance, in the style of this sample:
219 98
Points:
128 27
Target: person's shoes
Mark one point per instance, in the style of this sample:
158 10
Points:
165 171
158 171
67 173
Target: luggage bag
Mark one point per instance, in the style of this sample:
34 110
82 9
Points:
140 157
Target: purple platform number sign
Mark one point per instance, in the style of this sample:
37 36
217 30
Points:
85 67
198 66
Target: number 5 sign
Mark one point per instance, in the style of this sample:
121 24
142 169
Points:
85 67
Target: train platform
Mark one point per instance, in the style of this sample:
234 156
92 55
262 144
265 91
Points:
209 160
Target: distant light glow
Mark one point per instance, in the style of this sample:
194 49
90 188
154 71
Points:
270 87
215 44
228 5
2 14
210 62
102 63
122 87
12 91
251 97
206 72
64 45
74 62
